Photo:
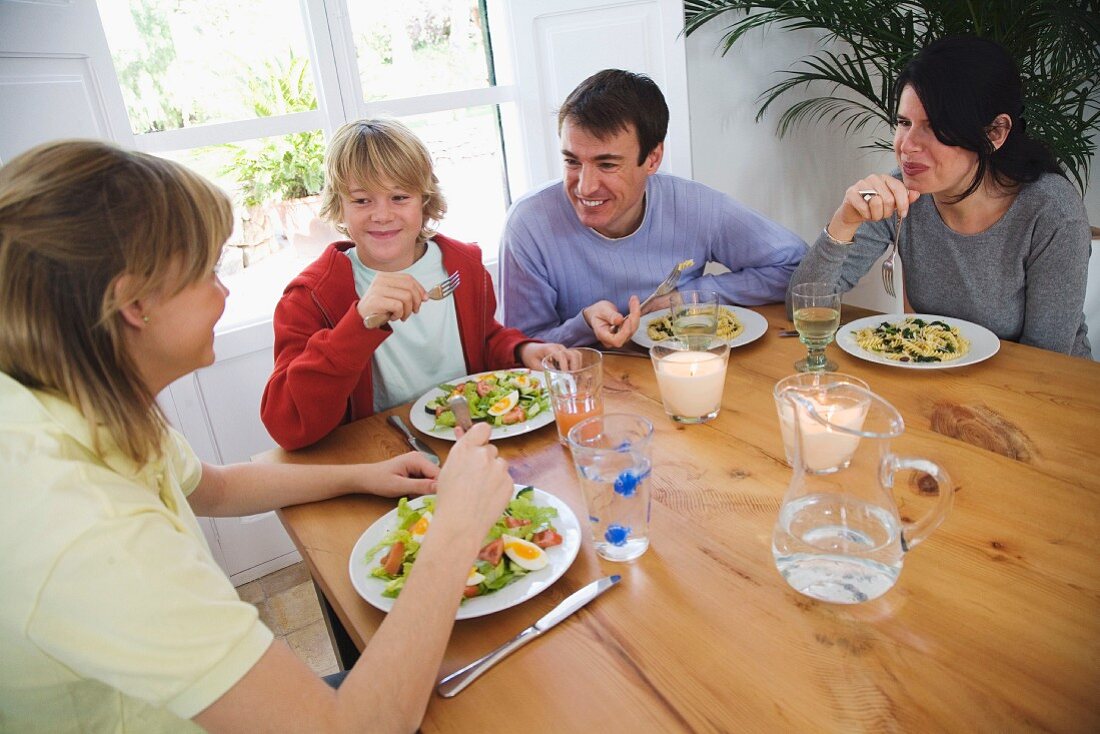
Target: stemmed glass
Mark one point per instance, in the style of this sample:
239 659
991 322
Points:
816 309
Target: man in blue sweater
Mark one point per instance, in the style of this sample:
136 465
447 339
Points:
577 253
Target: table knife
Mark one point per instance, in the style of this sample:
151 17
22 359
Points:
415 442
454 683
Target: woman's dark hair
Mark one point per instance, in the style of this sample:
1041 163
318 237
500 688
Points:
611 100
964 82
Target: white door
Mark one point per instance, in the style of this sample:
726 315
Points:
553 45
56 76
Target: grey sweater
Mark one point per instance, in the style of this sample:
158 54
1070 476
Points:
1023 278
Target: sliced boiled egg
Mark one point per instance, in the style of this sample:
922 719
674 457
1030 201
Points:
505 404
474 578
523 382
420 528
524 553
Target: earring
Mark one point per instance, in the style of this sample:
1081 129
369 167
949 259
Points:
145 319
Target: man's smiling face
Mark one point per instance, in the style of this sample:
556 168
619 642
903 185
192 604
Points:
603 180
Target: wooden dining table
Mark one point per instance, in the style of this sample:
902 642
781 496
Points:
993 624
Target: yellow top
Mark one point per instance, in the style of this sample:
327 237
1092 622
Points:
113 614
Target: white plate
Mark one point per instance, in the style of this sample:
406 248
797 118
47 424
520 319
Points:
561 557
755 326
983 342
424 421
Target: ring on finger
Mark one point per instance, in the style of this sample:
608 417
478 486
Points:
867 194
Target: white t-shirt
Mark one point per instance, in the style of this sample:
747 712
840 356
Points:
424 350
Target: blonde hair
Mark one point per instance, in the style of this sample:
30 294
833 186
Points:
377 154
75 216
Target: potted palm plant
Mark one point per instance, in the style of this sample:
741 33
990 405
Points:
867 42
280 177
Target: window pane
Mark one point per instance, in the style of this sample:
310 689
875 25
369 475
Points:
182 63
276 233
274 183
408 48
465 147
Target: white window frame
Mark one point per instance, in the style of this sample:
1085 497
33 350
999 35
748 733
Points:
334 66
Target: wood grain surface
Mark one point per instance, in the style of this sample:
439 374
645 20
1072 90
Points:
994 624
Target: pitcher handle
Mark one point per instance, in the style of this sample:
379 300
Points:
914 532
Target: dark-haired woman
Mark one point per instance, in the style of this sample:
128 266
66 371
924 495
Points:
992 231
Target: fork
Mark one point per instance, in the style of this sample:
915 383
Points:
461 409
666 287
888 263
437 292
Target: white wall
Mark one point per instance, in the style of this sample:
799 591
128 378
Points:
797 181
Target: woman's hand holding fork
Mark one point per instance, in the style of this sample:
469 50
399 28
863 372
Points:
870 199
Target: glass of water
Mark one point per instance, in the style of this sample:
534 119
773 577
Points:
816 309
694 315
612 457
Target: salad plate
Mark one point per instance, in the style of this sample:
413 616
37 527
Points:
560 559
983 342
424 421
755 326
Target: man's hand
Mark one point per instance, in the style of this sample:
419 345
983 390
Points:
659 304
602 316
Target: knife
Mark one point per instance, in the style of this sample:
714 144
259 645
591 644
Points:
415 442
457 681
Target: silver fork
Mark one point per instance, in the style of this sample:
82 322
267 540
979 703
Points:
437 292
461 409
666 287
888 263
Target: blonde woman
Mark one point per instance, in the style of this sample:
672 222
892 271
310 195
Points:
331 365
115 616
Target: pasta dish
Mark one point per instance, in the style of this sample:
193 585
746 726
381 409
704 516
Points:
729 326
913 340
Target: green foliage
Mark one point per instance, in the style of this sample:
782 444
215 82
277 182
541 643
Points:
151 104
1055 42
286 167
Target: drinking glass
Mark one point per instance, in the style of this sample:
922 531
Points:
611 455
574 378
694 315
816 309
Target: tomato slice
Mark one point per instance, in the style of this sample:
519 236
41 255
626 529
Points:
492 551
546 538
391 564
515 415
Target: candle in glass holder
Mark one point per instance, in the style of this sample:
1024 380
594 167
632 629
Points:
691 383
824 449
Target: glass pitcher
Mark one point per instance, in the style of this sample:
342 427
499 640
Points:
839 537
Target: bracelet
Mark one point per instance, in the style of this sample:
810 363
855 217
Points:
834 240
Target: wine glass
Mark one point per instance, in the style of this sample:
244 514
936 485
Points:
816 309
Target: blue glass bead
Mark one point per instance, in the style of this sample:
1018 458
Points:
626 484
616 534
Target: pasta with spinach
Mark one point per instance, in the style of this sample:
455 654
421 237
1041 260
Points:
914 340
729 326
